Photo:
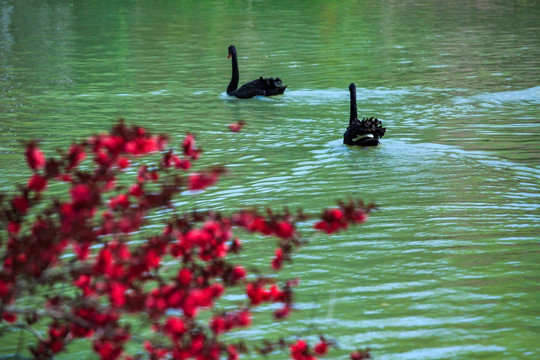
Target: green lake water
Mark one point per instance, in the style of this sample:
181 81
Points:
447 268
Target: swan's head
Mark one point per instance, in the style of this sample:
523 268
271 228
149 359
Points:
352 87
232 51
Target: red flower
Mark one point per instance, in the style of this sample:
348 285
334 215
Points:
107 350
4 288
244 318
123 162
75 155
82 250
84 283
237 126
197 236
359 216
113 143
184 276
283 312
155 353
21 205
284 229
232 352
197 345
170 159
332 221
37 183
175 327
9 317
188 146
299 346
300 351
152 258
57 334
238 273
216 290
117 294
34 156
80 193
121 200
201 298
55 345
259 224
182 164
103 158
141 146
218 325
199 181
360 355
277 261
256 293
65 178
321 348
136 190
13 227
104 260
277 295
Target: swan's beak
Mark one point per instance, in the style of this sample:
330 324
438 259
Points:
229 56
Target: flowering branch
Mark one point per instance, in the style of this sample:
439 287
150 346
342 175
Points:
91 239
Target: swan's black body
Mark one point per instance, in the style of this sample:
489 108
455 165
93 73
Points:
260 86
362 133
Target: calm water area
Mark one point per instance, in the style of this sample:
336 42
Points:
448 267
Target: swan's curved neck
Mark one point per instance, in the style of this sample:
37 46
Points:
235 75
354 112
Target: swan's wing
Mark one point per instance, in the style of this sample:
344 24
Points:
374 126
273 86
250 89
260 86
353 138
367 126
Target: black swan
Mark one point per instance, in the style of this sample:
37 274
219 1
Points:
362 133
261 86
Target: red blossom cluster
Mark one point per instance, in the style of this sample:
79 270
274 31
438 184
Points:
361 354
300 350
204 179
92 239
336 219
237 126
